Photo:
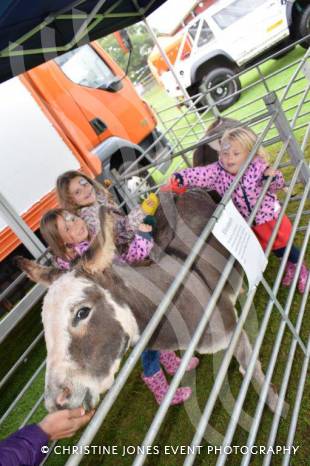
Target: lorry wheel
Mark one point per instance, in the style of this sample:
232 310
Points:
215 77
303 26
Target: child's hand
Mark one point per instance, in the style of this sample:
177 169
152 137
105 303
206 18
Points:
174 185
145 228
270 172
176 180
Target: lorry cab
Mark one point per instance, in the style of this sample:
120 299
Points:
95 104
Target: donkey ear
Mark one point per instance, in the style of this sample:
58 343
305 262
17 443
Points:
100 255
36 272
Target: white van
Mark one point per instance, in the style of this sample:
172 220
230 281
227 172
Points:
229 34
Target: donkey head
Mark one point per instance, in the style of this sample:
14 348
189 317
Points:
84 329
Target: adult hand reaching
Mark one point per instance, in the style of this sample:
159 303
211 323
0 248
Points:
65 423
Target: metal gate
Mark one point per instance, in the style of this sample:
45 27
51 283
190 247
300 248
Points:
227 424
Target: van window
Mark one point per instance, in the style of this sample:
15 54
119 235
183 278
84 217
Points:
206 35
85 67
235 11
192 30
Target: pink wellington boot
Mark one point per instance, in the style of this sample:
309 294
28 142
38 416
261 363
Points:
171 362
158 385
289 276
302 279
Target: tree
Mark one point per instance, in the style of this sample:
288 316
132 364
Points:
142 46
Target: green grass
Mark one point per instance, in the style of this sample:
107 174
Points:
133 411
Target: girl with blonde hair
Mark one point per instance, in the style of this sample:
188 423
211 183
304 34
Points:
236 146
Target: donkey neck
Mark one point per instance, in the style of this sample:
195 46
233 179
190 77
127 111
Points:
124 285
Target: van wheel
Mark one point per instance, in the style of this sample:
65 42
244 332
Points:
303 26
214 78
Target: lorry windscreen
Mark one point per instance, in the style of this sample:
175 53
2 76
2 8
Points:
85 67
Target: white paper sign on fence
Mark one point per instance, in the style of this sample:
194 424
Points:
235 234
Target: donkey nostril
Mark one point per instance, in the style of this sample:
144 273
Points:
67 392
62 397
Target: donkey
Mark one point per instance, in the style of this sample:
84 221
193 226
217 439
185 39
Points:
92 314
208 152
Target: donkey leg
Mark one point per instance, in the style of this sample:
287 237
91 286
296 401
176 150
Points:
243 353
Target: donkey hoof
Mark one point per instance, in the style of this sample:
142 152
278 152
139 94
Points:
273 398
285 410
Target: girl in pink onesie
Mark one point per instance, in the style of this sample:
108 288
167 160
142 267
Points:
236 145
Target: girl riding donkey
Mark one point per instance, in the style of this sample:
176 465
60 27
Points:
236 145
68 236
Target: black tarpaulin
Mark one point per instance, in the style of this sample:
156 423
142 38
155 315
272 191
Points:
34 31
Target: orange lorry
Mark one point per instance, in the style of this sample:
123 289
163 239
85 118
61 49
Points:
77 111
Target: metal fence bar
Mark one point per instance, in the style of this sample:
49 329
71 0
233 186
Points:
22 392
284 129
305 139
220 376
305 212
134 355
182 152
21 309
20 228
164 123
300 390
33 409
274 356
251 68
293 78
286 377
165 404
107 402
109 399
205 140
149 438
224 366
242 392
20 360
12 286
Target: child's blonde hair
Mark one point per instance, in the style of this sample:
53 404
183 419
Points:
49 231
247 138
62 188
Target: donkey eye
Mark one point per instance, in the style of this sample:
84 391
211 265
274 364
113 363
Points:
82 313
